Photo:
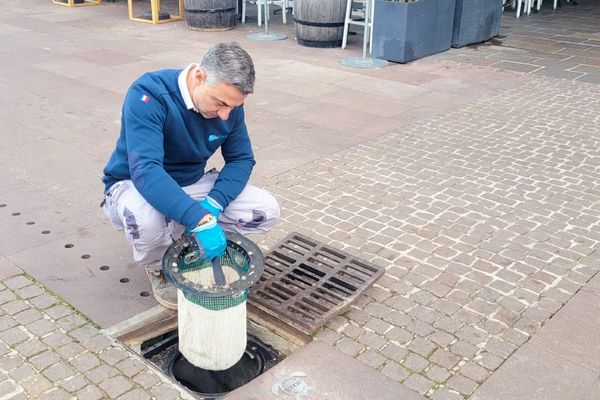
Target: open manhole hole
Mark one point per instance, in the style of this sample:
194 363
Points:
156 337
163 352
305 282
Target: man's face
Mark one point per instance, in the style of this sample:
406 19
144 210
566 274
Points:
216 101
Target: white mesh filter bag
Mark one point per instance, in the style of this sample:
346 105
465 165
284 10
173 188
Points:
209 339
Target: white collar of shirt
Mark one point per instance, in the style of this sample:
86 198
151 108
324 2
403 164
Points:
185 93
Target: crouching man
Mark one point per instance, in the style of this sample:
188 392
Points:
156 186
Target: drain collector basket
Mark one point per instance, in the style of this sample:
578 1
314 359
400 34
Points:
212 317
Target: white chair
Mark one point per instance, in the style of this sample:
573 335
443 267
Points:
355 15
260 4
527 4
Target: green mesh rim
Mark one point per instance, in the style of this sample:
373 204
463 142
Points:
244 255
218 303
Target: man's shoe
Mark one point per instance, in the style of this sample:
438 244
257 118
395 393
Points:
164 292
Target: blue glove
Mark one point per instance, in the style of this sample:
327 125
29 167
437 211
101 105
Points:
212 206
210 238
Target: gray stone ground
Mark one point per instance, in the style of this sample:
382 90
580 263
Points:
48 350
487 226
471 176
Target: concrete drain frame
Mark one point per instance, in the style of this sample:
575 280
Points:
153 336
163 352
296 265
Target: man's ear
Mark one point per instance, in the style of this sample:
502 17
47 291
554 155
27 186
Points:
200 75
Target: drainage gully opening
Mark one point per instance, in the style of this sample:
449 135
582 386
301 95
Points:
209 385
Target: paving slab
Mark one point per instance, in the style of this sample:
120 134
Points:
8 269
560 362
574 333
32 217
330 375
593 285
538 373
32 78
75 266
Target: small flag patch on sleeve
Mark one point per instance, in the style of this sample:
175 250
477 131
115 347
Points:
145 98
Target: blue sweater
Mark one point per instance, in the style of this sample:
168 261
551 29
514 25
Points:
164 146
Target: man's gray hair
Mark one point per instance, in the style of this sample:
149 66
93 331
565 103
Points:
229 63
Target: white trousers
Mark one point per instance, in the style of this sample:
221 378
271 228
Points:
150 233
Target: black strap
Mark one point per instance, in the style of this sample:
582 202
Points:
321 24
219 10
319 43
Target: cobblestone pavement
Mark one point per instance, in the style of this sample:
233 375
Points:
485 216
50 351
486 219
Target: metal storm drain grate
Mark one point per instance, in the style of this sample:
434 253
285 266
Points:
306 282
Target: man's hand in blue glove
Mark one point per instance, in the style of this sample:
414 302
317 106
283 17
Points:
211 239
212 206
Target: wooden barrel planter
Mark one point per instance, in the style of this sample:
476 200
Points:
210 15
319 23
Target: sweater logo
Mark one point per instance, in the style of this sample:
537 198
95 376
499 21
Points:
145 98
212 138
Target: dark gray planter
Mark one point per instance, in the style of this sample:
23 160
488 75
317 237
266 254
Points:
476 21
403 32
